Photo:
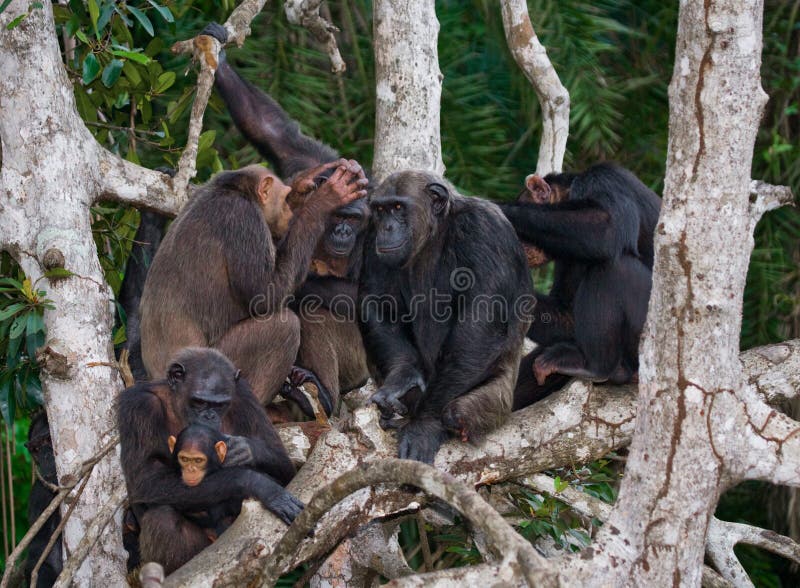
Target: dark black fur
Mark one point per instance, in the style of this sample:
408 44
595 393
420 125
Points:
202 387
424 235
40 447
601 239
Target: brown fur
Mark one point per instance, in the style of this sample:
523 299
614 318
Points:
218 280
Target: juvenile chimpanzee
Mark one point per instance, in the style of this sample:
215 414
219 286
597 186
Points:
330 341
218 281
197 453
598 227
40 447
202 387
441 297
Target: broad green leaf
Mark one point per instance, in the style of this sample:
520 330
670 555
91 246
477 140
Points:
143 19
91 67
111 72
4 5
34 389
105 16
18 326
35 334
10 311
123 16
132 55
16 21
72 26
163 11
82 36
94 14
16 284
131 73
119 336
154 47
206 140
165 80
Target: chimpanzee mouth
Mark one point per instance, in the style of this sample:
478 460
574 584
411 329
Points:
391 249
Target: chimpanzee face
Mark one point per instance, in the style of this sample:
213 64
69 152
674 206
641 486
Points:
406 210
203 382
344 227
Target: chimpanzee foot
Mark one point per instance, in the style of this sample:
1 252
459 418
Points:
543 367
454 423
291 391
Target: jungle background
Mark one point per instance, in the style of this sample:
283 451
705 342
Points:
614 57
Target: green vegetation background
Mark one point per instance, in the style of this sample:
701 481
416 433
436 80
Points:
614 57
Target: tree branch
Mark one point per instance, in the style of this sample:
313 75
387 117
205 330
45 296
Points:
531 56
764 197
774 370
306 14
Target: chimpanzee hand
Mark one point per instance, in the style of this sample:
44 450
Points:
399 395
347 183
309 180
239 451
284 506
420 439
216 30
291 391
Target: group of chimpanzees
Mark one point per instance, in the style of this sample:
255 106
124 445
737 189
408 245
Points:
397 284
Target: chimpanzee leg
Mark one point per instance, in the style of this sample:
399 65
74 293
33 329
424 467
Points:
551 321
169 538
158 351
528 390
484 408
264 349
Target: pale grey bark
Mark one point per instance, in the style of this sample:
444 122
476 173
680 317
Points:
531 56
408 87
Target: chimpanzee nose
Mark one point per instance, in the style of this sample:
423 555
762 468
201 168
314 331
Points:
342 231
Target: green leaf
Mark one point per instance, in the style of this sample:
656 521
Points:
94 15
163 11
105 16
123 16
132 55
206 140
111 72
559 484
4 5
82 36
35 334
132 73
10 311
91 67
18 326
6 395
143 20
16 21
165 80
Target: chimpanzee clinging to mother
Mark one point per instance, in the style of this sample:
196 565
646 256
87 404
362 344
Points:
598 228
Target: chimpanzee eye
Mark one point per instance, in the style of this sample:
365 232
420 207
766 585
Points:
397 207
380 209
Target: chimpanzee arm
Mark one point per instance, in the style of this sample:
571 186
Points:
584 230
251 425
263 122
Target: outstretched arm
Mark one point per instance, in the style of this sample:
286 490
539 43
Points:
263 122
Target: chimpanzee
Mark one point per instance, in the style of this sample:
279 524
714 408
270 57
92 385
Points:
40 447
218 281
441 301
598 227
197 453
202 387
330 341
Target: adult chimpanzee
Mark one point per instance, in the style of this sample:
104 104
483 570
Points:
598 227
441 300
202 387
330 341
40 446
218 281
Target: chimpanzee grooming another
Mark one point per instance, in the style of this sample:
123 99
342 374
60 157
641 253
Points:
197 453
218 281
330 342
202 387
446 354
598 228
40 447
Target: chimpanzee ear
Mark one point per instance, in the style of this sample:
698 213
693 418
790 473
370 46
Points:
538 188
171 440
264 187
176 373
440 196
221 449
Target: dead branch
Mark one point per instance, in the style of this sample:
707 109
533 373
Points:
531 56
723 536
764 197
306 14
506 543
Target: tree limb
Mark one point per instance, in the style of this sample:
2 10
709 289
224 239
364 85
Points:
764 197
306 14
531 56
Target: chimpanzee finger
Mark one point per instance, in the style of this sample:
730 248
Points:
216 30
293 394
286 508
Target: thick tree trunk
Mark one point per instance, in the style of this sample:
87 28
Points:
47 188
408 87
